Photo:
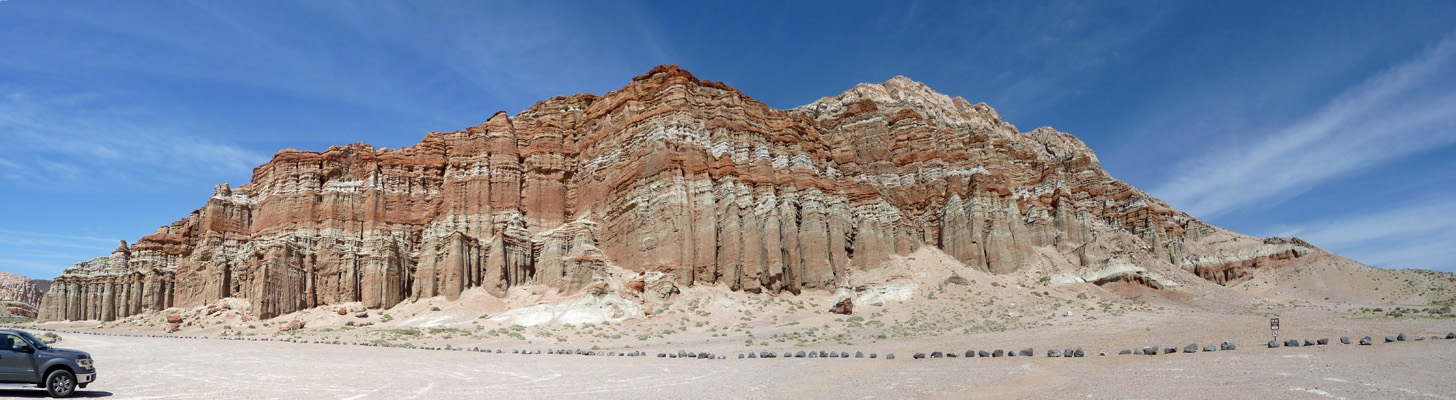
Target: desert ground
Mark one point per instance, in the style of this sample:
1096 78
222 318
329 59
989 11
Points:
410 350
165 367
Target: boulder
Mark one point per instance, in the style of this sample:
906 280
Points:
1322 341
1308 342
1210 348
1151 351
1227 346
174 319
845 307
970 353
1273 344
741 356
1365 341
858 354
1344 340
1124 352
998 353
823 354
1390 339
1451 335
752 355
800 354
1138 352
890 356
937 354
1400 337
813 355
173 327
343 311
1192 348
983 353
873 355
1291 343
1054 353
951 354
1079 352
1170 350
918 356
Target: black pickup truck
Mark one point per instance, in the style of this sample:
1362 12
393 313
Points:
25 359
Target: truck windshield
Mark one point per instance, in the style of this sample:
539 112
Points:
39 344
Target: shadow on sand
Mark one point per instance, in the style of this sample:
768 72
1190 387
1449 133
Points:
41 394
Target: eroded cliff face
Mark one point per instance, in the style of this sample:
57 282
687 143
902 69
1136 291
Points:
669 174
19 295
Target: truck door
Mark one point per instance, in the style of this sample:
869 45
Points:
15 366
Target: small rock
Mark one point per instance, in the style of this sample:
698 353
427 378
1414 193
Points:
937 354
1307 342
1400 337
1137 352
1344 340
1192 348
1390 339
1080 353
1069 353
1226 346
741 356
845 307
951 354
1124 352
890 356
1027 352
858 354
1451 335
983 353
1210 348
1170 350
1365 341
1291 343
800 354
873 355
918 356
1323 341
1054 353
998 353
1151 351
970 353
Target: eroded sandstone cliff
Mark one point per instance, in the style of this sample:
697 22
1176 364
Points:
19 295
669 174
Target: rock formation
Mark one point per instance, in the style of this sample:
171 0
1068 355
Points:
19 295
669 175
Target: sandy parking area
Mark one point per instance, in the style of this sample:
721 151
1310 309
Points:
151 368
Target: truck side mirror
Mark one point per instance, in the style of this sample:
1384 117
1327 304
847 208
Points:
26 349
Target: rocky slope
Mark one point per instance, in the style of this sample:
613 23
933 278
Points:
678 180
18 295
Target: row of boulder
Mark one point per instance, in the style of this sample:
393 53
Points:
1365 341
1191 348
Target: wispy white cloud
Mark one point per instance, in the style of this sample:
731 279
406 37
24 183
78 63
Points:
80 140
1401 111
1420 234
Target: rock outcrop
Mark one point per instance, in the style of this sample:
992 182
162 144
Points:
19 295
669 175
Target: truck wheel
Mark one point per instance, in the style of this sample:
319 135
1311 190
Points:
61 383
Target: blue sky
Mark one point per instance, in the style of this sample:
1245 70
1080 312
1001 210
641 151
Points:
1335 122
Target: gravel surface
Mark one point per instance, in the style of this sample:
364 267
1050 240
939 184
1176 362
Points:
151 368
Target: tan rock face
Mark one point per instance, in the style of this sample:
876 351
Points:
19 296
672 175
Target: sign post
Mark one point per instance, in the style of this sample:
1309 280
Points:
1274 327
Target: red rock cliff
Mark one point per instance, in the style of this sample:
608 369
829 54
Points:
670 173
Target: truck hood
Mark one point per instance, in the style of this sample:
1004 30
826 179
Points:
58 352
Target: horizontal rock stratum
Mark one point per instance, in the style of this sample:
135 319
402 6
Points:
683 178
